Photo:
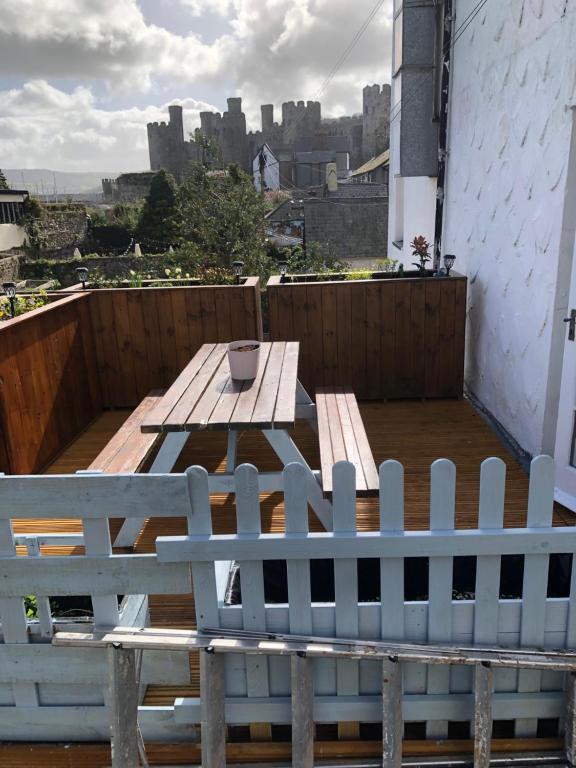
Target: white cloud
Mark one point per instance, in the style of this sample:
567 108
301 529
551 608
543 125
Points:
270 51
42 126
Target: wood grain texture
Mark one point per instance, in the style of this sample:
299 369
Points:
389 339
144 337
49 383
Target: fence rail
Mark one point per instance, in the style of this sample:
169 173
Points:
345 689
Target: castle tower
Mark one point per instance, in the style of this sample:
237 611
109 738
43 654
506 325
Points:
267 111
176 123
376 120
233 138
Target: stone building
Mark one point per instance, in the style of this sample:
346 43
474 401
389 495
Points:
128 187
167 146
366 134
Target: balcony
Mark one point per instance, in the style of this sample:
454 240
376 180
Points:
71 375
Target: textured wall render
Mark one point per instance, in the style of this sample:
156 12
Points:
513 82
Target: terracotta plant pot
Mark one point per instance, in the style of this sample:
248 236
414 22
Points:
244 357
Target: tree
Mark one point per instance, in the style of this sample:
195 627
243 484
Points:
3 180
159 219
224 216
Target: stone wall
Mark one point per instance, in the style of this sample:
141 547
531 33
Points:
351 229
9 266
62 229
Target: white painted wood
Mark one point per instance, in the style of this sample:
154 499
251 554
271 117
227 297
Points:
442 511
345 573
213 713
231 450
88 495
491 515
79 575
13 617
123 706
483 688
306 407
43 611
200 522
368 708
43 663
535 584
302 686
167 456
251 575
287 452
271 546
85 724
298 571
97 543
392 725
391 568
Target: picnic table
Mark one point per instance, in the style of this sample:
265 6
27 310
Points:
205 397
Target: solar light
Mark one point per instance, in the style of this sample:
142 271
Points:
283 267
10 291
82 275
449 260
238 268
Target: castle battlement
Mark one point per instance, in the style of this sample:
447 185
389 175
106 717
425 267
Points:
368 133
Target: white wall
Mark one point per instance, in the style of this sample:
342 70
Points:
271 172
513 82
11 236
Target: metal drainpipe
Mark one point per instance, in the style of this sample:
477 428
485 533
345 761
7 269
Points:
443 128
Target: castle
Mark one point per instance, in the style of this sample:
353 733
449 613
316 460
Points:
367 134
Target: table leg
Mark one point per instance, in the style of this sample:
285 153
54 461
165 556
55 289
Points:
287 452
305 407
164 462
231 451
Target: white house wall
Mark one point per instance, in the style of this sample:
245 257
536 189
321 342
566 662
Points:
512 84
11 236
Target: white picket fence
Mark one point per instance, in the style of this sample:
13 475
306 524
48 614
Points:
55 693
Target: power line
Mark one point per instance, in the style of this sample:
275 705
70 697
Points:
457 35
341 59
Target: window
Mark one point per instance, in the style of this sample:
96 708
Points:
10 212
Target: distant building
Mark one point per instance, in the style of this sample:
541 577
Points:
12 234
128 187
349 220
302 166
374 171
364 135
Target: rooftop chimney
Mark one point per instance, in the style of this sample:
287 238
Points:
331 177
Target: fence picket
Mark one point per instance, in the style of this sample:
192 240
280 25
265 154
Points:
296 516
535 584
346 584
392 568
487 588
13 617
252 586
203 574
442 510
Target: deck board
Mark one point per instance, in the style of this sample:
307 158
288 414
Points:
415 433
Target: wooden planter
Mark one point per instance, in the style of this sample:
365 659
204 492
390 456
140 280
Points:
388 338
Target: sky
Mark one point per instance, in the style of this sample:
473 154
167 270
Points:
79 79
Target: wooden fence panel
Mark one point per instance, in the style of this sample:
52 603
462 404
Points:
145 336
49 383
392 338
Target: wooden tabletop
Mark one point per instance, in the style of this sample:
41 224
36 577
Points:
205 397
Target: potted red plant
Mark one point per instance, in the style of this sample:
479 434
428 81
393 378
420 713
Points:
421 249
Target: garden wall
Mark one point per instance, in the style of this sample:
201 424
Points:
145 336
391 338
49 383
